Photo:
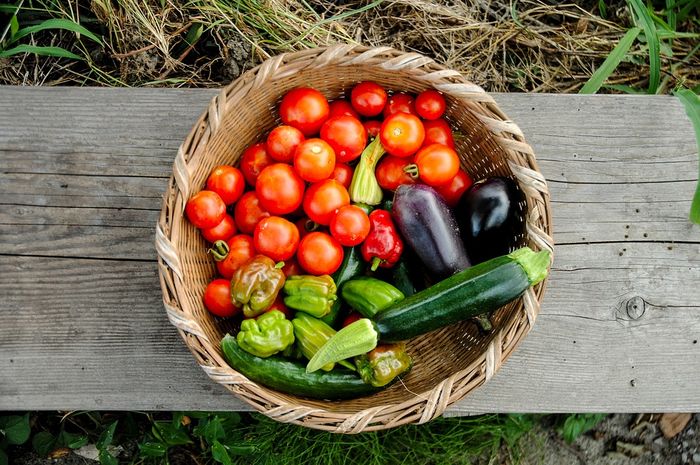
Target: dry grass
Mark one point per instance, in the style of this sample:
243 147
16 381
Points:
525 45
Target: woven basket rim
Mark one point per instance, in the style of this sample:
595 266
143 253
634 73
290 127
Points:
424 406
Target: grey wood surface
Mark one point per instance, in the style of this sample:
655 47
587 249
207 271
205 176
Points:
81 321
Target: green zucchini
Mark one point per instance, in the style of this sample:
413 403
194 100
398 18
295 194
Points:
291 377
478 289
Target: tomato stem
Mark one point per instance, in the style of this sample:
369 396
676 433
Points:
411 170
219 250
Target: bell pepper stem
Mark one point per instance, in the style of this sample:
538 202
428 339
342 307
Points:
219 250
376 261
355 339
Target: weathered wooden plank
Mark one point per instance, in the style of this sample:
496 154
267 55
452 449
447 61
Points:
82 332
82 172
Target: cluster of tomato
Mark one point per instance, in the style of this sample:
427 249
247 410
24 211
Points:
300 176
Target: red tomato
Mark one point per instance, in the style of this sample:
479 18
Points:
305 226
291 267
226 181
372 127
282 142
402 134
320 254
322 199
248 212
314 160
438 132
278 304
276 237
342 108
390 172
346 135
304 108
253 161
368 98
280 189
222 231
343 174
430 104
453 190
350 225
205 209
437 164
217 298
399 103
351 318
240 249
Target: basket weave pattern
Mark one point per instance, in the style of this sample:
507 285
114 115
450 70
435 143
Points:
448 363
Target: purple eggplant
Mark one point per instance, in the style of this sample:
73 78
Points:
491 218
430 229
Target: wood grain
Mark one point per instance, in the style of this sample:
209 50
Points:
81 176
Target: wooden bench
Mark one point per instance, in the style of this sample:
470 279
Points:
82 325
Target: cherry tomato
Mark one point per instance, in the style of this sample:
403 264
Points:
276 237
372 127
390 172
437 164
253 161
430 104
222 231
205 209
291 268
342 108
304 108
399 103
346 135
322 199
368 98
343 174
248 212
282 142
226 181
350 225
351 318
438 132
314 160
240 249
280 189
453 190
305 226
402 134
278 304
320 254
217 298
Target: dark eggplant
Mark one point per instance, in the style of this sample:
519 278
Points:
429 228
491 216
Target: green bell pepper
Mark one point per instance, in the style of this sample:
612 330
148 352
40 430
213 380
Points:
269 334
380 366
314 295
369 295
311 334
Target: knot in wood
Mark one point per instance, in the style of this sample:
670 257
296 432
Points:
636 307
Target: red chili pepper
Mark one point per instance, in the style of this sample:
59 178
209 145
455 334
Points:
383 245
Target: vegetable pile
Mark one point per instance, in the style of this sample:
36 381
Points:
351 229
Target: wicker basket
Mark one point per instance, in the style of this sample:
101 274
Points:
448 363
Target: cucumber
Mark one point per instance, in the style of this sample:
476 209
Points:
291 377
479 289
